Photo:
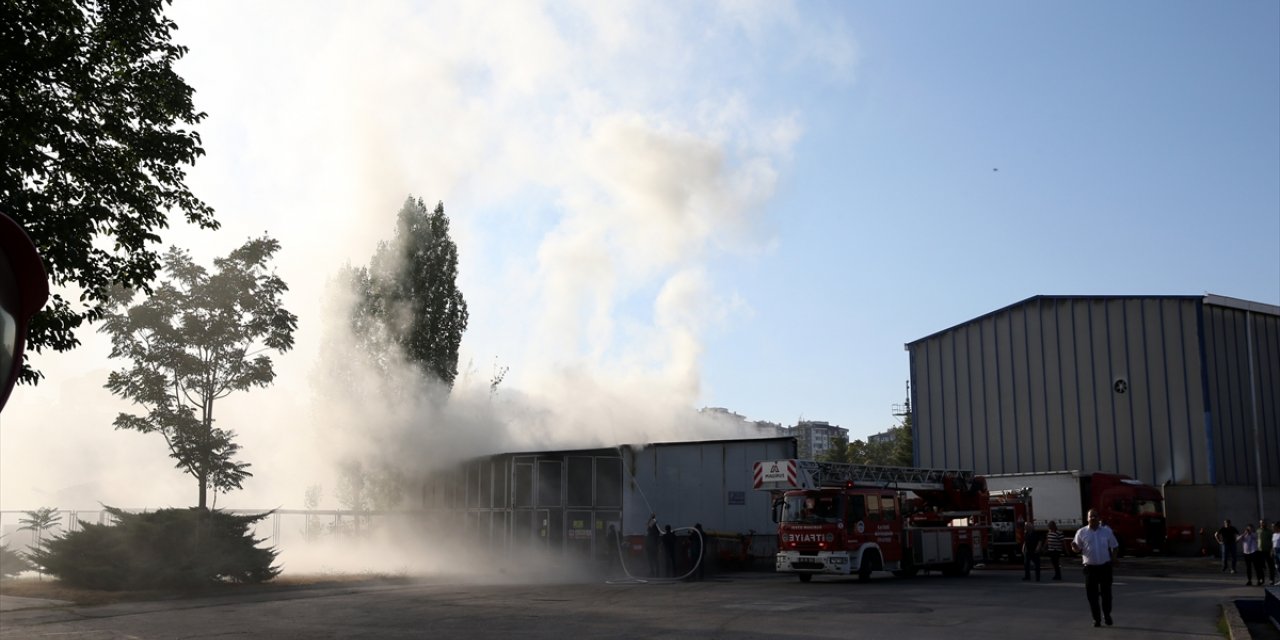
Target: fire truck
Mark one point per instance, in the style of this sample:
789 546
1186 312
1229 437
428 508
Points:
1010 510
848 519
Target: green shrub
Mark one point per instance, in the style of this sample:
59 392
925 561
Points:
165 549
11 562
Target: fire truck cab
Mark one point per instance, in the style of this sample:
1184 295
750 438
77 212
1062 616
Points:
858 519
1010 510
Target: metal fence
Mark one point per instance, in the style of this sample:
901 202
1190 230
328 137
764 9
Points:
278 528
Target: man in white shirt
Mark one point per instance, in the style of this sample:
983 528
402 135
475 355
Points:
1096 545
1275 548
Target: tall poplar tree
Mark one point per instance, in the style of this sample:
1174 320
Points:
408 296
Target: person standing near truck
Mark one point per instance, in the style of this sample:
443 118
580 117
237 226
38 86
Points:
1053 545
1275 545
1252 558
1266 547
1032 545
1096 545
1226 536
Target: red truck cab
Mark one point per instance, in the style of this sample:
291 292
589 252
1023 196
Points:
1134 510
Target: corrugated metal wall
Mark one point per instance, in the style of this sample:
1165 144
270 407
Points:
706 482
1054 383
1242 391
566 499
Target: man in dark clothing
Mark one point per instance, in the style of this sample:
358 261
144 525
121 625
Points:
669 549
1226 536
1266 547
651 541
612 543
698 552
1030 551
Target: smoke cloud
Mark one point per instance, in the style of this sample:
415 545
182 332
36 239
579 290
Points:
594 163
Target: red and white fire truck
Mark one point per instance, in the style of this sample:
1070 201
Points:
846 519
1010 510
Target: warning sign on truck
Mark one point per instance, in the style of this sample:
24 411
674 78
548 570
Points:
775 474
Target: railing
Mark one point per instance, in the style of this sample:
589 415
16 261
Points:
281 526
835 473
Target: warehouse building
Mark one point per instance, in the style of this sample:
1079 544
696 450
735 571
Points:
1181 392
563 501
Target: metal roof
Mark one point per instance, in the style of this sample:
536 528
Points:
1207 298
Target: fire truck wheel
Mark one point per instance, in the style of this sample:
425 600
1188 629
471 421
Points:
805 577
964 563
869 561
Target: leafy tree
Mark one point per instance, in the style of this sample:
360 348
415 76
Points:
38 522
903 446
196 339
407 299
312 502
95 133
837 452
363 490
169 548
894 452
903 451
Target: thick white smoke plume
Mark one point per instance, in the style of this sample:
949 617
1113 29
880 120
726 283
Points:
595 167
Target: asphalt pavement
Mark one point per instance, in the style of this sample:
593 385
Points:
1155 598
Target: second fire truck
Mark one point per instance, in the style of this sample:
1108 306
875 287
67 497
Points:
847 519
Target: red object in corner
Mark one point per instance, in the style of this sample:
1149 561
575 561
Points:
24 288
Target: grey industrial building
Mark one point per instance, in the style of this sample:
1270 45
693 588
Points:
1181 392
562 501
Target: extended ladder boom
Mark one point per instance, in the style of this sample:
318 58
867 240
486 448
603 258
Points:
911 479
811 474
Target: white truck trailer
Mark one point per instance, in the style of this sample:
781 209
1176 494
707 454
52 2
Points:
1134 510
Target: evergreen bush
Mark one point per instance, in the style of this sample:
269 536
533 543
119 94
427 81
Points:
11 562
165 549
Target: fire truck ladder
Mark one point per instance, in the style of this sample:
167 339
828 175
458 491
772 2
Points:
827 474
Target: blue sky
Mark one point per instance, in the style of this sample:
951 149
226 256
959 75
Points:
1137 150
666 206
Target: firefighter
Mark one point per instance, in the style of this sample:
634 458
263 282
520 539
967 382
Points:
669 550
651 542
1032 545
698 553
613 548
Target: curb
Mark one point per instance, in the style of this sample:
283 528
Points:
1236 628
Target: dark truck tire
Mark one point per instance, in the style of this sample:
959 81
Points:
870 562
964 564
907 569
961 566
